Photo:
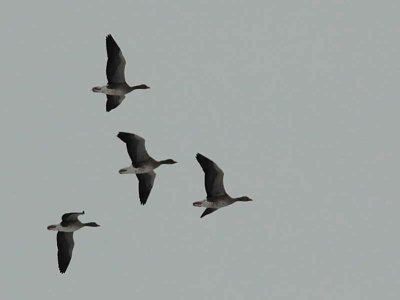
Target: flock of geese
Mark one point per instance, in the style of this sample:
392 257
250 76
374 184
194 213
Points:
143 165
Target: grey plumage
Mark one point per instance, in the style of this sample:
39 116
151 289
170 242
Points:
115 69
208 211
136 148
65 245
113 101
65 240
213 176
116 87
214 185
70 218
146 181
143 162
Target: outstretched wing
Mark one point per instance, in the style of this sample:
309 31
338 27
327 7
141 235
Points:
65 245
71 217
135 146
213 177
116 62
146 181
113 102
208 211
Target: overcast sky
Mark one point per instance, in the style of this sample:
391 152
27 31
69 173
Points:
297 101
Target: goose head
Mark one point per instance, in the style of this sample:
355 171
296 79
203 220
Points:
139 87
244 199
168 162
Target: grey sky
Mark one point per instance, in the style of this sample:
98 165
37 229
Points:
297 101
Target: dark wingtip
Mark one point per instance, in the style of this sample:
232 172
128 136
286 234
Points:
120 135
143 199
109 107
123 136
199 156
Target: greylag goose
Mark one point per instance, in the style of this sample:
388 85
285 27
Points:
65 240
117 88
143 164
214 183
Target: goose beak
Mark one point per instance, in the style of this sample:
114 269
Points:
197 204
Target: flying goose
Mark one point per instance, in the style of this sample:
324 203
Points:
214 183
65 240
117 88
143 164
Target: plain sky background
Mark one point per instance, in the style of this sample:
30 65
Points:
297 101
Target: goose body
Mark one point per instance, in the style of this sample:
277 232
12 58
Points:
214 184
143 164
116 88
216 202
145 168
65 240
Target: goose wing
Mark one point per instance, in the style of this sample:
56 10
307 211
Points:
135 146
208 211
146 181
113 102
213 177
116 62
65 245
71 217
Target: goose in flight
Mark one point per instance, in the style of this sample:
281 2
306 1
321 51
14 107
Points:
116 88
65 240
214 183
143 164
